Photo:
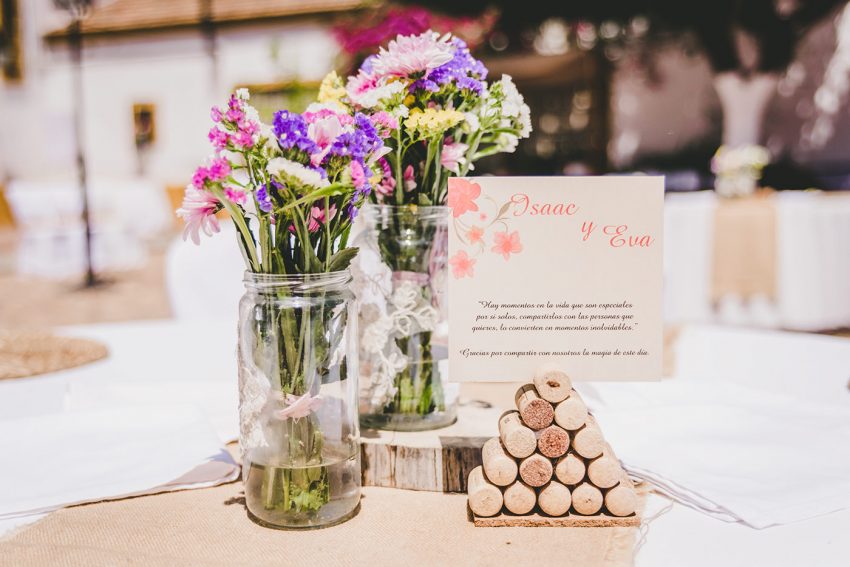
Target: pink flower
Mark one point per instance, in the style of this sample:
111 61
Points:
387 184
299 406
317 217
507 244
234 114
412 54
235 195
475 234
243 140
324 131
219 169
462 265
483 216
218 138
215 114
199 178
409 179
358 175
453 155
462 195
385 119
198 212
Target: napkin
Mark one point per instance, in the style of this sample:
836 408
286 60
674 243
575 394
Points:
735 453
76 457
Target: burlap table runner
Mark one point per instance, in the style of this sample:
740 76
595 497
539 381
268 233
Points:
210 527
29 353
744 257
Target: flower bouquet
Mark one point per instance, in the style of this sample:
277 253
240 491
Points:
440 115
738 169
292 190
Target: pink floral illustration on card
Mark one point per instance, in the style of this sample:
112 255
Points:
462 196
470 212
475 234
506 243
462 265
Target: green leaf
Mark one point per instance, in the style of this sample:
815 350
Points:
342 259
329 191
424 200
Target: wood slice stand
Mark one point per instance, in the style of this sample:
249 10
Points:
438 460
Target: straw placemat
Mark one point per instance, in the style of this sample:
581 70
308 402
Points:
28 353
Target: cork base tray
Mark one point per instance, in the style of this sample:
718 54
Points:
568 521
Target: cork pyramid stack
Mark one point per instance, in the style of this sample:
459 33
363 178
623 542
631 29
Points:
550 464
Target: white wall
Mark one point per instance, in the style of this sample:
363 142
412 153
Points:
171 70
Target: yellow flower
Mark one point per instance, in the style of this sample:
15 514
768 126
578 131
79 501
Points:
431 122
331 89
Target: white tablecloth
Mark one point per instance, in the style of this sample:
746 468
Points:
125 214
148 359
813 263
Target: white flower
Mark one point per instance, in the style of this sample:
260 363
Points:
512 101
507 143
235 158
271 145
283 167
471 123
373 96
243 94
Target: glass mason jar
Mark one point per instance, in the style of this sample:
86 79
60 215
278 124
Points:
298 373
403 324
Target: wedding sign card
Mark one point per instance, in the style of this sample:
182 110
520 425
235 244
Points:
555 270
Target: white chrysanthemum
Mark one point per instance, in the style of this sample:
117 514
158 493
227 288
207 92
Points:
375 96
411 54
283 167
513 101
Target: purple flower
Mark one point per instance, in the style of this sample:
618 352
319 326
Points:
423 85
263 199
360 143
218 138
463 70
291 131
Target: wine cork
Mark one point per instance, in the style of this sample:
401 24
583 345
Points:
553 441
500 468
535 470
536 412
518 439
605 471
571 413
520 498
552 385
570 469
622 499
485 499
554 499
587 499
588 441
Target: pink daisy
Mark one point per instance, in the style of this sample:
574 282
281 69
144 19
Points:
411 54
198 212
